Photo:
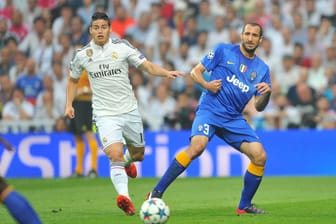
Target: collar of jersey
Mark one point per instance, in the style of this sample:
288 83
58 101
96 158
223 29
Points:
94 45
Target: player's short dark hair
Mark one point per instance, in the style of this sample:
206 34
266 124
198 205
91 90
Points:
100 15
261 31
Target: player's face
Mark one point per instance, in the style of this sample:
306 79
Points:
250 38
100 31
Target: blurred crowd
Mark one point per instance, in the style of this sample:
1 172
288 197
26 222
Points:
38 38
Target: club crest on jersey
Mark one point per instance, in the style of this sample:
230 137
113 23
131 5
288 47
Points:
253 76
89 52
242 68
200 128
211 54
114 56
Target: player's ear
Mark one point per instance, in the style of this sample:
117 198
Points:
261 39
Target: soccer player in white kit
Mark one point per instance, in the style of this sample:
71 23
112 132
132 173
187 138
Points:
114 105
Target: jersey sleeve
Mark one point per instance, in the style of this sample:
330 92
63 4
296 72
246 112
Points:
75 67
135 57
213 57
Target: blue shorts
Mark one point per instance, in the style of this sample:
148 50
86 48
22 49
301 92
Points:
233 131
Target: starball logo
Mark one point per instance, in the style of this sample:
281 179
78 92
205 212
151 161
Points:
244 88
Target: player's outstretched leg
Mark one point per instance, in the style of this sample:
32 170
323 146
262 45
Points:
252 180
177 166
17 205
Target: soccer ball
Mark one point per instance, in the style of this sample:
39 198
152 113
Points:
154 211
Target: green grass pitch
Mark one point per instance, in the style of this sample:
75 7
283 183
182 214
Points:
299 200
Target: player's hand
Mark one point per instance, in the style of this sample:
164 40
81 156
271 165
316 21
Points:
214 85
174 74
69 112
263 88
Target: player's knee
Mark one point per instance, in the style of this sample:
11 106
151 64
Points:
260 158
196 149
138 156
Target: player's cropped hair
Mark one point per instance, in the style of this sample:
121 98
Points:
100 15
261 32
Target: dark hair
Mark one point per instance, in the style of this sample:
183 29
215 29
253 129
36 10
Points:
100 15
261 32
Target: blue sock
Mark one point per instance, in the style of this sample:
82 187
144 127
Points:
251 184
173 171
20 209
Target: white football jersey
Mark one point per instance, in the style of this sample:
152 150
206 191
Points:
107 69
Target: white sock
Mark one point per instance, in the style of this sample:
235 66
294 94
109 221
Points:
119 177
128 158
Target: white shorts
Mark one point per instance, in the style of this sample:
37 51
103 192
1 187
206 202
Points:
125 128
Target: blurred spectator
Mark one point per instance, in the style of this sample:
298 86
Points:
299 56
288 44
325 117
311 15
182 116
330 57
179 19
35 37
266 52
219 7
183 61
325 31
62 24
18 26
316 74
5 34
59 78
46 108
30 12
44 53
19 66
65 49
299 33
313 44
303 97
160 106
219 34
30 82
190 33
167 8
6 91
274 33
287 73
80 34
121 21
86 11
18 108
283 115
8 10
260 14
197 51
141 31
205 20
5 61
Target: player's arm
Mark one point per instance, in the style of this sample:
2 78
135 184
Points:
262 100
197 75
156 70
71 92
